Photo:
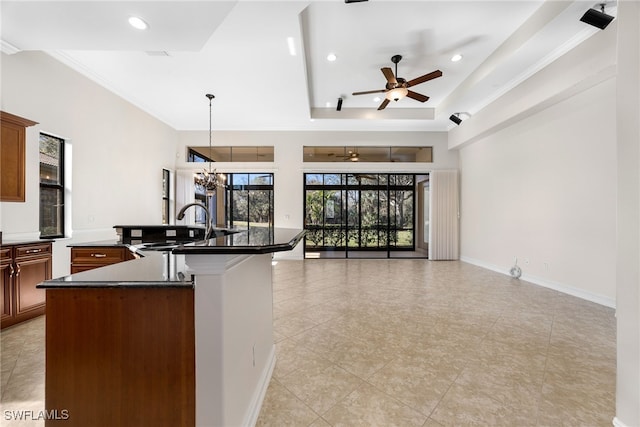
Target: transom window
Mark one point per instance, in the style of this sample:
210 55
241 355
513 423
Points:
230 154
330 154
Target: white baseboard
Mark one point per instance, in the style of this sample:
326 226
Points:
560 287
261 391
617 423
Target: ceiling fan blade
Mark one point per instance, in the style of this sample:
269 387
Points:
388 74
384 104
369 91
432 75
417 96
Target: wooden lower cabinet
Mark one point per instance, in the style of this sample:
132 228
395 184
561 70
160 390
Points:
85 258
120 356
22 267
6 285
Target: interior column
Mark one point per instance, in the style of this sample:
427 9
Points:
628 220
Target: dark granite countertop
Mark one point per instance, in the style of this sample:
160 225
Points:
154 269
168 268
256 240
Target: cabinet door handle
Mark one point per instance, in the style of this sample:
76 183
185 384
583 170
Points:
11 270
33 251
99 255
17 271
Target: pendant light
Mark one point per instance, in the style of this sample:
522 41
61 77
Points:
209 179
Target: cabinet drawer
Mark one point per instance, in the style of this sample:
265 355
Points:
33 250
98 255
5 255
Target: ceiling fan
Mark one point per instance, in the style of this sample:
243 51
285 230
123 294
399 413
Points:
397 87
351 155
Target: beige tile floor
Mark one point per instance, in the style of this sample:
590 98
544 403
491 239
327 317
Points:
419 343
22 374
405 342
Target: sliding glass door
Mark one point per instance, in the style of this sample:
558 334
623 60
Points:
359 215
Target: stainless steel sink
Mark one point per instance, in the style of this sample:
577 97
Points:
167 246
220 232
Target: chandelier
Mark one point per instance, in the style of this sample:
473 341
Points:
208 178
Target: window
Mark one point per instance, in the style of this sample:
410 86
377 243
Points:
246 201
166 195
368 154
250 200
51 186
230 154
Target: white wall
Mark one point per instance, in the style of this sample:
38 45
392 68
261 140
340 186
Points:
288 167
118 152
543 190
538 169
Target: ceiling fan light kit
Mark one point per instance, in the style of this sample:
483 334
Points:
397 93
398 88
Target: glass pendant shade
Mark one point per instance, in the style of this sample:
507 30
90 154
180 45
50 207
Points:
397 93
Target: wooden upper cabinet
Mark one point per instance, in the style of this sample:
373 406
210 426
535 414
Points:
12 156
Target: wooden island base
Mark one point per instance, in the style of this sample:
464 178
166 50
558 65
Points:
174 338
120 356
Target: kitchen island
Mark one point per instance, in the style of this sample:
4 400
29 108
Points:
179 337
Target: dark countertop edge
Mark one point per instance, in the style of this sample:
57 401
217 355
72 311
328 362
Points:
239 250
25 242
78 284
102 243
164 226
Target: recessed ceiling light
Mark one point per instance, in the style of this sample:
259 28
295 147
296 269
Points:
138 23
331 57
328 104
457 57
376 99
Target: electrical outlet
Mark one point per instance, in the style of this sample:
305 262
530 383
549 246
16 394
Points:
546 266
526 261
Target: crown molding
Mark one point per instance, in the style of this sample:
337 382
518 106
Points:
8 48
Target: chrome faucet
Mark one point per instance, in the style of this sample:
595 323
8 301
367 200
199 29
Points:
208 229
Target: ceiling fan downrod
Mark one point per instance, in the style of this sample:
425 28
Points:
395 59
